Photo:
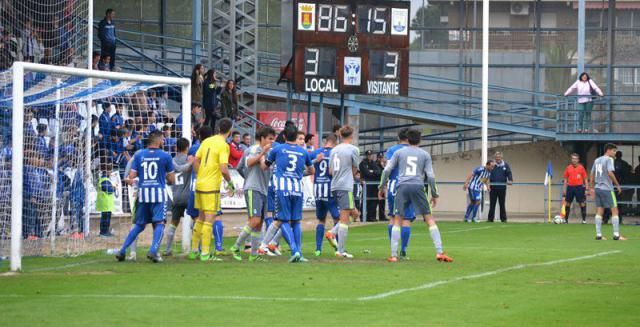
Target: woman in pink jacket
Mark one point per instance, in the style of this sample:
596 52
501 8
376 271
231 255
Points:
585 88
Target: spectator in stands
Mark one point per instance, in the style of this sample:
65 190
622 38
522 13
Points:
107 36
117 121
152 101
6 56
585 88
77 200
169 140
246 142
235 154
197 83
309 141
162 105
501 174
104 63
105 199
112 147
47 59
31 48
196 117
151 121
95 61
104 124
623 173
211 90
42 142
371 173
229 101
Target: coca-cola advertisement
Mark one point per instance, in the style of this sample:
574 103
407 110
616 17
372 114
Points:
277 119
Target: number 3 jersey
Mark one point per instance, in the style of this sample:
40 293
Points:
152 167
321 179
344 158
413 165
290 161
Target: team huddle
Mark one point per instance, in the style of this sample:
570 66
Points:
273 169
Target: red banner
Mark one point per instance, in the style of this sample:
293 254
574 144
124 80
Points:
277 119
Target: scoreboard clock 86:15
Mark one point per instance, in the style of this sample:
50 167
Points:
350 47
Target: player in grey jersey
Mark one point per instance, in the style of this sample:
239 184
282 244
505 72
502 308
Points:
602 175
343 165
256 183
414 164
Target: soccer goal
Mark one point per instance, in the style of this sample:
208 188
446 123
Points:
66 136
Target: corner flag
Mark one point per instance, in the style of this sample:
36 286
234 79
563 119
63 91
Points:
549 174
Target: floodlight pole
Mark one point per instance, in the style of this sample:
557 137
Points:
485 81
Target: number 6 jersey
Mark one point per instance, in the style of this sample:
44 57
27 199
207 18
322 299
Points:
344 158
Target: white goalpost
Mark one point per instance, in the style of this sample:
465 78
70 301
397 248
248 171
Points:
72 98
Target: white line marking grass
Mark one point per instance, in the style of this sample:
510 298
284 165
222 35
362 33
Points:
312 299
484 274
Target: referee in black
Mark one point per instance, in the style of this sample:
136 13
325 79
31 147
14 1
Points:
501 176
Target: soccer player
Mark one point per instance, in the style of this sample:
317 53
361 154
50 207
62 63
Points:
210 165
255 191
603 178
154 169
291 160
181 190
414 164
391 195
325 202
474 183
343 164
576 181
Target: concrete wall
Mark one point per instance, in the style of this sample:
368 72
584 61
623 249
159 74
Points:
528 163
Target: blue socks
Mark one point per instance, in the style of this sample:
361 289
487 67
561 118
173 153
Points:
406 235
469 210
287 233
218 231
474 213
319 236
297 234
158 232
133 235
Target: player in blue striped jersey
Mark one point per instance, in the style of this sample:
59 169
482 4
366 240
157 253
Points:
154 169
391 195
291 160
325 202
478 178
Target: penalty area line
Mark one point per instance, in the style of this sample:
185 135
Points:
481 275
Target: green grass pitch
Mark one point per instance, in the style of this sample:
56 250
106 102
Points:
503 275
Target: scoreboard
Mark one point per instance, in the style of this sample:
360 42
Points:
347 46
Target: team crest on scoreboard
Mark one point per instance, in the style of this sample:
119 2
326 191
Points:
399 21
352 71
306 16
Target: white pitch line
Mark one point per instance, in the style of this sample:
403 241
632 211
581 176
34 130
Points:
480 275
311 299
71 265
444 232
182 297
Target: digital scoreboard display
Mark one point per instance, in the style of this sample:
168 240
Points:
345 46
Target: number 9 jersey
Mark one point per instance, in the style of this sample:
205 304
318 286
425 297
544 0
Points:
152 167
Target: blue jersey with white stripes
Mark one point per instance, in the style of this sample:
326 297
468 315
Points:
290 161
393 176
321 179
152 167
480 177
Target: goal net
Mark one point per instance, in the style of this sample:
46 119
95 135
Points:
54 32
66 137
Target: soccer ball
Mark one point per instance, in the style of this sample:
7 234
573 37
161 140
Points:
558 220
